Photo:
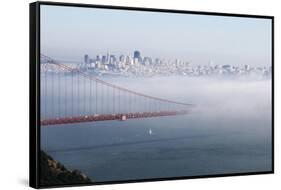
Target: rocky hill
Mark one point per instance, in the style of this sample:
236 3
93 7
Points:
54 173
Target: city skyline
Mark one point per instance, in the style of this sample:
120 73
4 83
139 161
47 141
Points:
140 65
69 34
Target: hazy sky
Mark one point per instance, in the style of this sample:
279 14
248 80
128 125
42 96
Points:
70 32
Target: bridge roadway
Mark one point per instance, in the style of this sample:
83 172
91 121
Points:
107 117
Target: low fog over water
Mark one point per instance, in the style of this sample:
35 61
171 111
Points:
229 131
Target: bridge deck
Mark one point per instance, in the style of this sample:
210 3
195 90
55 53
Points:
107 117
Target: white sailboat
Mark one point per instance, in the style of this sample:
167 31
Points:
150 132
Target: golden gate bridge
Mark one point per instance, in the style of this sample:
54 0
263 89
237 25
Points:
72 95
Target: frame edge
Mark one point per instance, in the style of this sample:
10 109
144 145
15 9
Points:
33 134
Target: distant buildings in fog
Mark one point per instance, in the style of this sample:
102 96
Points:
137 65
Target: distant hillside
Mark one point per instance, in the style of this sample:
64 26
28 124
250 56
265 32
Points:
54 173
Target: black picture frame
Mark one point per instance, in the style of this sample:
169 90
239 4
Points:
34 92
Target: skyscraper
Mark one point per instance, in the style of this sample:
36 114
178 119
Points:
86 59
137 54
137 57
